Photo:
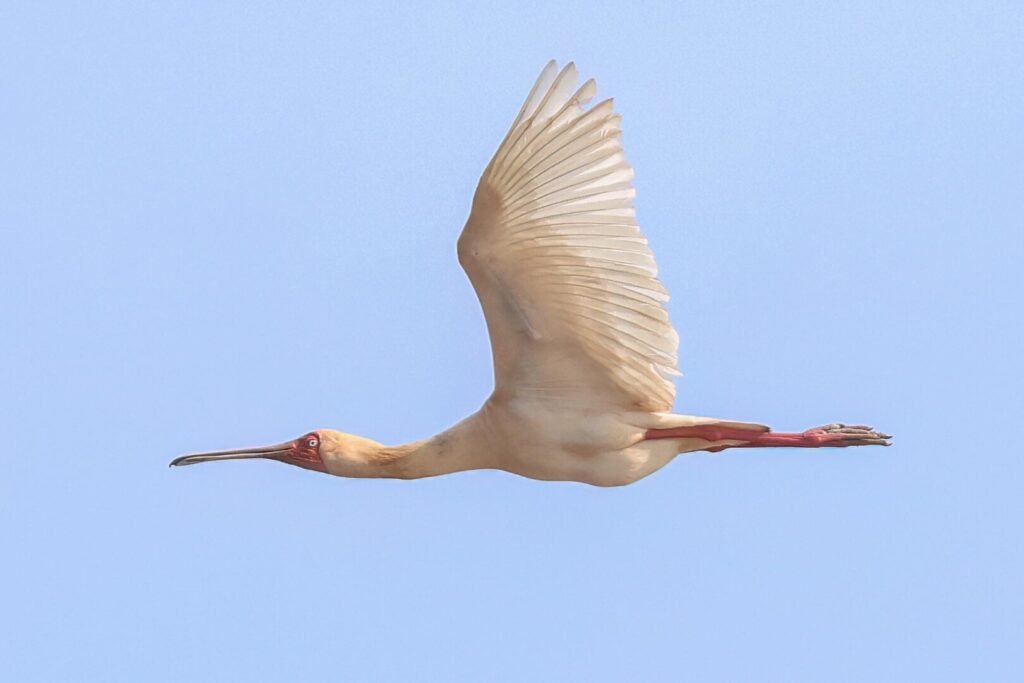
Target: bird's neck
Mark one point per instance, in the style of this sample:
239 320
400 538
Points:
453 450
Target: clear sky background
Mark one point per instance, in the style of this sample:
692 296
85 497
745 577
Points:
226 224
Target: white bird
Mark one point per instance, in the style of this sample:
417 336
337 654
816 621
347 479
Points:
584 352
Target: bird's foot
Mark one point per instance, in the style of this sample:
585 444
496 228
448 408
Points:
840 435
829 436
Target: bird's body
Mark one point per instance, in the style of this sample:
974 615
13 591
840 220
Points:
515 436
583 349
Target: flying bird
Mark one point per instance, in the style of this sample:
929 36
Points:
584 352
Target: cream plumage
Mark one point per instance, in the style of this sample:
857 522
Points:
583 348
553 238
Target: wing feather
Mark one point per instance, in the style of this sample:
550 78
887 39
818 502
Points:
566 279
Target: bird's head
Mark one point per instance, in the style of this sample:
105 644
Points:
324 450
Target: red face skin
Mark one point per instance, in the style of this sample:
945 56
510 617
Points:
305 453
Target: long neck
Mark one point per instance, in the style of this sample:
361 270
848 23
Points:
454 450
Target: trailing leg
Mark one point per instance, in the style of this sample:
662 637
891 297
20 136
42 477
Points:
829 436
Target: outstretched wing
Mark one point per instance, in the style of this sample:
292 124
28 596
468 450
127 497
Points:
565 277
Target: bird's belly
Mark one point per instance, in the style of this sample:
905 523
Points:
610 468
594 448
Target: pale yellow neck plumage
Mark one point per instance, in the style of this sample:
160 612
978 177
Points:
453 450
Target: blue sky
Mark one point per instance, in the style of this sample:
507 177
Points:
224 224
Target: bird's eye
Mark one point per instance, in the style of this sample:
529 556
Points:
312 442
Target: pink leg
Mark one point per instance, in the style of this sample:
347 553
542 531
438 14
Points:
833 435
